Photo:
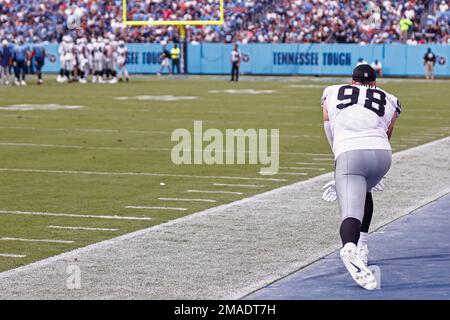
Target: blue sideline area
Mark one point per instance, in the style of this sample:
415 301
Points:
413 254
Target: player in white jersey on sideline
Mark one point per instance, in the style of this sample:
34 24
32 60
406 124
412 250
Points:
358 121
98 61
82 60
122 54
61 51
114 47
69 59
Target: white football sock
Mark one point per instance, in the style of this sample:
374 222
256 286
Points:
363 238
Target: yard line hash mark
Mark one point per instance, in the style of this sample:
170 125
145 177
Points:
82 228
187 200
239 185
156 208
304 168
11 255
36 240
214 191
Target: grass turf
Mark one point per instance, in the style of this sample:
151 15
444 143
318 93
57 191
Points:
131 136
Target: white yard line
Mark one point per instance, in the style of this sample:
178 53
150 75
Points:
323 159
214 191
72 215
82 228
11 255
314 163
292 173
136 131
187 200
36 240
67 146
149 174
84 130
304 168
156 208
239 185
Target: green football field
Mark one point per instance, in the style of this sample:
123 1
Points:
71 177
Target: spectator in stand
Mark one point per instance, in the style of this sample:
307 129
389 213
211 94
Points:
246 21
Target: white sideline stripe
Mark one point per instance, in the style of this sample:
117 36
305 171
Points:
214 191
36 240
103 173
156 208
67 146
116 241
323 159
28 213
187 200
293 173
11 255
303 168
82 228
239 185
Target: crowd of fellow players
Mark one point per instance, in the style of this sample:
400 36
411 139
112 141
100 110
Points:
100 60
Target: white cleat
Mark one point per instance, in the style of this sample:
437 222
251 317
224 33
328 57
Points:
23 83
363 253
113 81
356 267
17 83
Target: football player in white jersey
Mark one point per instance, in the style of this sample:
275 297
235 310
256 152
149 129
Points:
358 121
122 54
114 46
98 61
69 59
90 55
82 60
61 51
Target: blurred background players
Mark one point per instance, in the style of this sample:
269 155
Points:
122 54
5 63
429 60
378 67
165 57
175 54
21 60
38 59
235 63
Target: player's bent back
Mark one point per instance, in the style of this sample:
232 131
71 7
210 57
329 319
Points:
359 116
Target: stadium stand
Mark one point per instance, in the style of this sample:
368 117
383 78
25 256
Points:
246 21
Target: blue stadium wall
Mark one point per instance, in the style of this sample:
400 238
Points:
286 59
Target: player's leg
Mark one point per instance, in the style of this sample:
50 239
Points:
363 250
125 72
351 186
232 71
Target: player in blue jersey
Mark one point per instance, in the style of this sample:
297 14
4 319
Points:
5 62
38 58
21 55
